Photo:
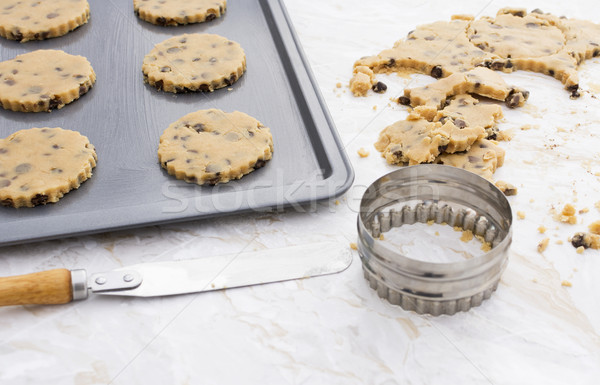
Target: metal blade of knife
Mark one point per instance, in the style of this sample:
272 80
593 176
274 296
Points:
182 276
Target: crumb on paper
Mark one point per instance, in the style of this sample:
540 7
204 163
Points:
467 235
541 247
437 233
430 222
485 246
362 80
559 242
337 202
597 205
595 227
338 85
520 214
567 215
230 89
362 152
542 229
531 200
381 237
580 250
507 188
534 280
374 108
584 210
566 284
353 246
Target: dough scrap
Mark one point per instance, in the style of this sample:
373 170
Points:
212 146
194 62
483 158
44 80
40 165
427 100
176 12
466 111
27 20
513 40
412 141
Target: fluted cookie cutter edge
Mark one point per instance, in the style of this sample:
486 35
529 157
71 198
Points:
443 194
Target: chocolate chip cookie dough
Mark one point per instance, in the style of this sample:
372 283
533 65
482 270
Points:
212 146
513 40
194 62
44 80
25 20
175 12
482 158
40 165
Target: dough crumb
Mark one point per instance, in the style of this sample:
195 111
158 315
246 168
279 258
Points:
362 152
507 188
559 242
584 210
566 284
467 236
353 246
597 205
520 215
505 135
580 250
338 85
541 247
381 237
430 222
595 227
585 241
567 215
542 229
362 80
337 202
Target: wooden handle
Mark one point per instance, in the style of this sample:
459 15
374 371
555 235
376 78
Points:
44 288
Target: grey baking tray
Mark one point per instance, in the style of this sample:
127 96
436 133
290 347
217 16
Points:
124 118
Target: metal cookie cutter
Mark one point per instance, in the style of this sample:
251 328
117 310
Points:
443 194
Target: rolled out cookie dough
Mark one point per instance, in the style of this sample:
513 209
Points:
44 80
175 12
466 111
25 20
513 40
212 146
194 62
40 165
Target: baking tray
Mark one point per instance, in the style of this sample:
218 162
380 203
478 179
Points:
124 118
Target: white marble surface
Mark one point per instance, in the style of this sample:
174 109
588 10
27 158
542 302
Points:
334 329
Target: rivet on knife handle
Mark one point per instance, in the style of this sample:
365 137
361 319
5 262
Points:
114 281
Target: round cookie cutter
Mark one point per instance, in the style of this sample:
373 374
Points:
445 195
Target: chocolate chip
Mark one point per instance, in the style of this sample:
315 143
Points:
460 123
531 25
196 59
211 16
9 82
551 72
23 168
7 202
173 50
497 65
183 40
165 69
260 163
508 64
204 87
231 79
391 62
4 183
537 10
159 85
250 134
379 87
54 103
437 72
213 59
161 21
578 240
513 100
56 170
39 199
82 89
17 35
199 127
404 100
52 15
3 150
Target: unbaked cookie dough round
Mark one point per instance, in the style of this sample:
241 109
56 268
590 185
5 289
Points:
175 12
212 146
40 165
194 62
44 80
25 20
